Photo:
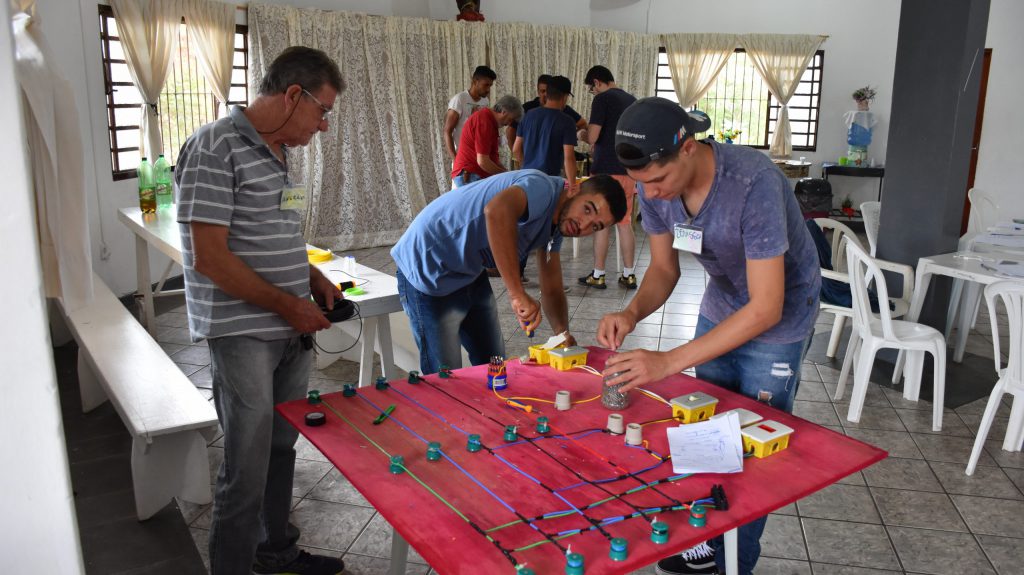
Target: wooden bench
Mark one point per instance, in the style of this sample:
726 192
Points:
169 419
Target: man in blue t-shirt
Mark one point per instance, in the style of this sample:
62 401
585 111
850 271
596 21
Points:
542 95
547 137
736 213
492 223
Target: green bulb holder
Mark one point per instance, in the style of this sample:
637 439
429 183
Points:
445 372
382 383
397 464
313 397
619 549
659 532
697 516
348 390
542 424
433 451
574 564
473 445
524 571
510 434
414 377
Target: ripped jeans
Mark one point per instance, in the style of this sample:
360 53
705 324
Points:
766 372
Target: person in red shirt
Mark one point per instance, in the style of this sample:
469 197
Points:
477 154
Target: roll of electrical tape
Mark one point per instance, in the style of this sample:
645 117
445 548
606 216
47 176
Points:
315 419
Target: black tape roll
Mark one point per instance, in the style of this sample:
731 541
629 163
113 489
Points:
315 419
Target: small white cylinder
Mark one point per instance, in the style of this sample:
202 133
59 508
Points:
615 425
634 434
562 401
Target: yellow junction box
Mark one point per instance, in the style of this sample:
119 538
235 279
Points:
566 358
766 438
693 407
539 354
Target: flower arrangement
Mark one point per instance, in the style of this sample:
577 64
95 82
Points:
729 135
865 94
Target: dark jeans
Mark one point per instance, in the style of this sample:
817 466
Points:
254 484
468 315
766 372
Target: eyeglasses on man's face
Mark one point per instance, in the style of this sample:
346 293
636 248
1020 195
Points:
326 112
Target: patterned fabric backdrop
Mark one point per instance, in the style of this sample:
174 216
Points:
382 159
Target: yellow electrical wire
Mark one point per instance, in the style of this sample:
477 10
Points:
318 256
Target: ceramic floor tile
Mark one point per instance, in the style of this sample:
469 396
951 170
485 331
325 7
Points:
1013 459
871 417
809 372
843 502
202 378
816 412
1004 553
201 537
986 481
782 538
845 543
998 428
375 541
307 475
667 344
677 331
327 525
638 342
939 552
829 569
897 443
947 448
898 473
917 509
334 487
811 390
1015 475
920 421
773 566
991 516
195 354
177 335
873 398
365 565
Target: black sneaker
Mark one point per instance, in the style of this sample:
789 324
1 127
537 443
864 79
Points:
304 564
590 280
628 282
697 559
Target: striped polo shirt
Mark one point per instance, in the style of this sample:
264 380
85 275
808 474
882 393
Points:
226 175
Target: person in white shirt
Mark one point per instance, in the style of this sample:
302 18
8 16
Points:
463 104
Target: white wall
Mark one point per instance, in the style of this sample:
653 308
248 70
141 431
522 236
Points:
1002 135
861 50
37 520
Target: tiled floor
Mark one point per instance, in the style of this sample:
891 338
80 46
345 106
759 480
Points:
915 512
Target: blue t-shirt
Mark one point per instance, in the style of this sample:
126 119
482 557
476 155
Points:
545 131
751 212
446 246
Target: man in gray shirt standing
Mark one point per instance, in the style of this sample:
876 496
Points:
248 284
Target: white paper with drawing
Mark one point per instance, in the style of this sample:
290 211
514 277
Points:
713 446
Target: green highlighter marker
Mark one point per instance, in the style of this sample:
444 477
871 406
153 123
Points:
380 418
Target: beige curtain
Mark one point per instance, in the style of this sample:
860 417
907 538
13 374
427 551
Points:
694 61
781 60
211 26
56 155
148 29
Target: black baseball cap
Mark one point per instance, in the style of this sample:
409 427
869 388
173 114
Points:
562 84
652 128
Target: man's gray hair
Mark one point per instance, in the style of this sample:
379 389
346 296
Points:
511 104
307 67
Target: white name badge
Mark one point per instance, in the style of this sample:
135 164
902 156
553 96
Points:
688 238
293 198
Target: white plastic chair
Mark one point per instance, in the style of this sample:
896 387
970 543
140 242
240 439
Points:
840 235
872 333
872 214
1011 377
984 213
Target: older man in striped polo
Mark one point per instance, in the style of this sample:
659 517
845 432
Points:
248 285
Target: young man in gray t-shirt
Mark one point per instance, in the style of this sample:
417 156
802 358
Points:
735 212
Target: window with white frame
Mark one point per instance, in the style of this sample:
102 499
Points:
739 100
186 102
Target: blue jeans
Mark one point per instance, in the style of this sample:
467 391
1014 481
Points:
459 181
766 372
468 315
254 485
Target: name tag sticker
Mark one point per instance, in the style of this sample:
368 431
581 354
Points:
293 197
688 238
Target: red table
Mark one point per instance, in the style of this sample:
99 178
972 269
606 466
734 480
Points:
507 482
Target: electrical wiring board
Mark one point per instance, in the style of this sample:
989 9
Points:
526 497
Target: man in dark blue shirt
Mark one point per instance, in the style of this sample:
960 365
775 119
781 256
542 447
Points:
547 136
542 94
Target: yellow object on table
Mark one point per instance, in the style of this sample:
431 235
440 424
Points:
318 256
566 358
539 354
766 438
693 407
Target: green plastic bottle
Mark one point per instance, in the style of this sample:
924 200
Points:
147 187
164 188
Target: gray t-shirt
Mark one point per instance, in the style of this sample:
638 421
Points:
750 213
227 176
